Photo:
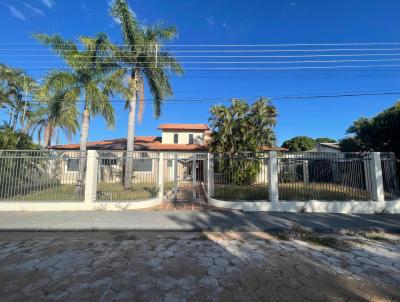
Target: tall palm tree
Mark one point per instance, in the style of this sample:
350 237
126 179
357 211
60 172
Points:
16 88
92 78
56 112
143 62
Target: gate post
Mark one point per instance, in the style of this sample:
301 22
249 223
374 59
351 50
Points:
210 175
161 176
375 165
273 193
175 174
194 176
91 176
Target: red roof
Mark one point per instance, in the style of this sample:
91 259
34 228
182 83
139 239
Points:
142 143
201 127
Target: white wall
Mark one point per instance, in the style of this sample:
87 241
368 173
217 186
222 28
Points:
183 137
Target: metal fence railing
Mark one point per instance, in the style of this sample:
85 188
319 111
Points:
324 176
59 175
41 175
111 184
390 176
185 175
241 177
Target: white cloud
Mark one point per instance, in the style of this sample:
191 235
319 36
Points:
48 3
211 20
16 13
34 10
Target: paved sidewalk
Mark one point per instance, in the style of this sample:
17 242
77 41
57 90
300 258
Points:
195 221
182 266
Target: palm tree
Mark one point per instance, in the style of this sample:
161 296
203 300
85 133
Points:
92 78
144 63
16 88
56 112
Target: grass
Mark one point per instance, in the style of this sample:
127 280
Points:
290 191
116 191
302 234
58 193
105 192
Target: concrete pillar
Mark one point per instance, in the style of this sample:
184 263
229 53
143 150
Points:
273 194
161 176
194 175
210 175
376 182
175 175
305 172
92 163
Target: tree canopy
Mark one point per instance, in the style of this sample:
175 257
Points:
305 143
242 127
15 140
380 133
299 144
238 129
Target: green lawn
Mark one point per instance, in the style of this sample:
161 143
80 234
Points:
54 193
291 191
116 191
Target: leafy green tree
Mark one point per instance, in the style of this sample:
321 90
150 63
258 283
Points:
299 144
92 78
325 140
144 61
380 133
238 131
15 140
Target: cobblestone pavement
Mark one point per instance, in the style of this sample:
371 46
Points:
148 266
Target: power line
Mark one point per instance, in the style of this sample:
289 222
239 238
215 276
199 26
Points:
215 56
232 62
232 45
222 51
244 68
282 97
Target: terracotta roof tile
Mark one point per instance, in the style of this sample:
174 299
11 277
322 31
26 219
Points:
183 127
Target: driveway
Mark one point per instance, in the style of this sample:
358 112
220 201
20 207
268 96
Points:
189 266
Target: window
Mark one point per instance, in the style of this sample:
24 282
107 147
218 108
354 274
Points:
73 164
108 161
143 165
190 138
175 138
169 163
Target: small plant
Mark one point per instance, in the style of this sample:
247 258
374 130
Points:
305 235
283 235
303 209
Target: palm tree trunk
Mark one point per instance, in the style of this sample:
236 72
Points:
48 131
131 136
82 148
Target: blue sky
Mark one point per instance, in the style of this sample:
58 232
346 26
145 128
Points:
231 22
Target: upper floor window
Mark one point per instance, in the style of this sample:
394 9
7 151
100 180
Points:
190 138
176 138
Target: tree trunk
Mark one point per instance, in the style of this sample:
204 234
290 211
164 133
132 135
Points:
82 148
130 144
48 131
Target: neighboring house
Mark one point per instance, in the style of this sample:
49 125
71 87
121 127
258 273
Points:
328 147
178 142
